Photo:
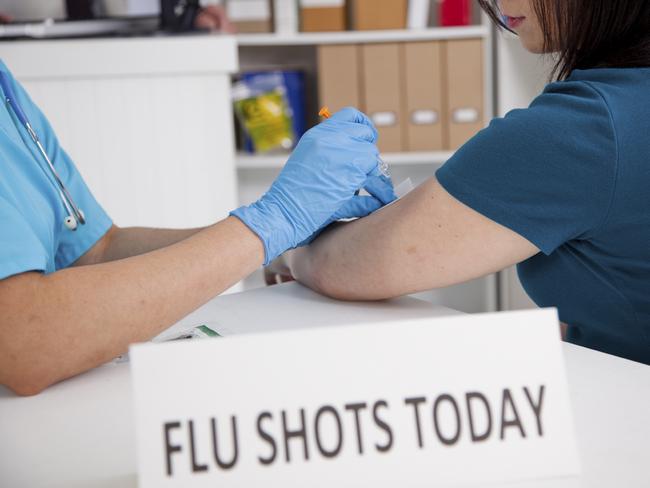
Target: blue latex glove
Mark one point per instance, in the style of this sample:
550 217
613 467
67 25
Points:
360 206
320 184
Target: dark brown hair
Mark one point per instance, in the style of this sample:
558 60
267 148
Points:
590 33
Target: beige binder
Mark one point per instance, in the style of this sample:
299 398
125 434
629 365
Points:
465 92
339 83
424 115
382 78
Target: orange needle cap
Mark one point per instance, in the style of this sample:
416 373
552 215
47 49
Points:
325 113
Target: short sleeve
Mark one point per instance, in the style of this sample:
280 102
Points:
69 246
73 245
547 172
20 248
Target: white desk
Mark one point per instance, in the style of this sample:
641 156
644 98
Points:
80 433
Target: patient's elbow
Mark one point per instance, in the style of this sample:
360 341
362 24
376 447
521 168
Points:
344 286
319 277
326 285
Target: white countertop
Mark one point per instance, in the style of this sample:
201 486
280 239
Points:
130 56
80 432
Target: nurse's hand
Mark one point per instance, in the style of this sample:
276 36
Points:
320 184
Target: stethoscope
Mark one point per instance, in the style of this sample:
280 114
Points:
75 215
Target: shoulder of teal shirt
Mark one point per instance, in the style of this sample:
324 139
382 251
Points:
547 172
69 246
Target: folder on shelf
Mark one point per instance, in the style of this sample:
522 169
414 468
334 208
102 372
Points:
285 16
418 14
292 83
424 116
339 82
382 76
378 14
465 92
250 16
455 12
323 15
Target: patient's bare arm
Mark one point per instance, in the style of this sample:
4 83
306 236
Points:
426 240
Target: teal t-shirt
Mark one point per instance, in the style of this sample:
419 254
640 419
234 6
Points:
33 235
571 174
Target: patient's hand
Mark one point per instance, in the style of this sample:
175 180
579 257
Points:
278 272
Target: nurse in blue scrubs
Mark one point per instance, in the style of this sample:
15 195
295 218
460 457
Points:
561 189
76 290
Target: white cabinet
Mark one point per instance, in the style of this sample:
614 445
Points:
148 121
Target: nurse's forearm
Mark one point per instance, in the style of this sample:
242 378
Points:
58 325
124 242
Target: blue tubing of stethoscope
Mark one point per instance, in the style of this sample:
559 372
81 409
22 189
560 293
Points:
74 213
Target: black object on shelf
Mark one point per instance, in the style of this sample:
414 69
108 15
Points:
82 9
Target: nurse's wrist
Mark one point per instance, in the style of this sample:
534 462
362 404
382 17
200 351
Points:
269 223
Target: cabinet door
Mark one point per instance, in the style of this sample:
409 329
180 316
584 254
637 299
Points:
155 151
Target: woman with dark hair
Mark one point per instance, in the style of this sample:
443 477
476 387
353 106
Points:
561 188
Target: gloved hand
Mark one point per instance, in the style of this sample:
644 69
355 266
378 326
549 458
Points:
320 184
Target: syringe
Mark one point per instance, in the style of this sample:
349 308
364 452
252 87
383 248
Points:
383 167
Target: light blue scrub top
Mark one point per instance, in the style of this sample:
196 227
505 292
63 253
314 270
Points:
33 236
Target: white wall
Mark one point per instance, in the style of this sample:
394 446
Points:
26 10
521 77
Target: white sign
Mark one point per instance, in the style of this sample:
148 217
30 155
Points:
432 402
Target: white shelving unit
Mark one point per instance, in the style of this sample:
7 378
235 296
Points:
251 44
256 172
360 37
269 161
